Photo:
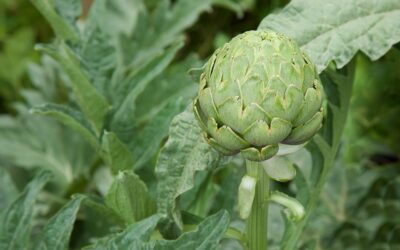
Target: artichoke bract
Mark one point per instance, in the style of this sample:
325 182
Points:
256 92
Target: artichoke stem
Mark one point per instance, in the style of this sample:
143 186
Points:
257 222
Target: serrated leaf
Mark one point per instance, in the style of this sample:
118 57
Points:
327 34
175 82
115 153
206 237
8 190
69 10
125 119
69 117
118 16
279 168
57 231
184 153
59 25
15 227
93 104
129 198
134 237
166 23
147 142
96 207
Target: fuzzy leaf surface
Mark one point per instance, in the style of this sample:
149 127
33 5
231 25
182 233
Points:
56 233
129 197
336 30
184 153
69 117
15 227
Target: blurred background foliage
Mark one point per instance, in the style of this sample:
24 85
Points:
358 204
21 26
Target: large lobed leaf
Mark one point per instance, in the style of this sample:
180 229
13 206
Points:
69 117
15 227
8 190
184 153
115 153
335 30
30 141
206 237
134 237
93 104
58 229
137 236
128 196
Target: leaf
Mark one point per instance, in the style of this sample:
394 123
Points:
91 101
161 28
16 225
8 190
59 25
237 6
69 117
323 148
184 153
174 83
56 233
335 31
118 16
115 153
147 142
125 117
129 198
69 10
206 237
96 209
134 237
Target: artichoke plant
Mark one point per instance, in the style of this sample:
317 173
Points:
256 92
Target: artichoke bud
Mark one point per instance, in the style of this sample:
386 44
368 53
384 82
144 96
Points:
256 92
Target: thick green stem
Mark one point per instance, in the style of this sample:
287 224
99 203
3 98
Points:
257 223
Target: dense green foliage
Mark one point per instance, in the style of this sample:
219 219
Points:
100 148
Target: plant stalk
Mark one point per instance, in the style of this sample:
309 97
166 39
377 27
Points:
257 222
339 115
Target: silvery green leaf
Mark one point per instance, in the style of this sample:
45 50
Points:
8 190
115 153
147 141
174 83
69 10
167 22
57 231
279 168
129 197
15 227
118 16
93 104
134 237
335 31
125 120
206 237
184 153
69 117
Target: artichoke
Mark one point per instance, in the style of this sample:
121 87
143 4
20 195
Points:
256 92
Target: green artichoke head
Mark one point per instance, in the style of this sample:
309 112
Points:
256 92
